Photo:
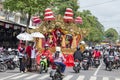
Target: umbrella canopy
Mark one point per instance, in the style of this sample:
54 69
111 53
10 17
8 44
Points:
25 36
38 34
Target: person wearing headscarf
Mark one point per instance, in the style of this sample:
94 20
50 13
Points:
59 59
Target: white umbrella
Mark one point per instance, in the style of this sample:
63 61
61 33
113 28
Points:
82 42
25 36
38 34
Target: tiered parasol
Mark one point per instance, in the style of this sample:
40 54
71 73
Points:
48 16
68 17
78 20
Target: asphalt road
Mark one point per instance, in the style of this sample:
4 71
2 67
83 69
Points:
92 74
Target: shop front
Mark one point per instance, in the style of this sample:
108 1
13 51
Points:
8 33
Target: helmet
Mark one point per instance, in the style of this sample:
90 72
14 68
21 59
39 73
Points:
58 49
78 48
82 42
46 45
87 48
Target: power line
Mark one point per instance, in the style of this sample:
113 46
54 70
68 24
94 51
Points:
98 4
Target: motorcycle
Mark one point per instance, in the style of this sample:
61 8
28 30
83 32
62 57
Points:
116 62
10 63
96 62
110 62
76 66
43 64
55 74
3 66
85 64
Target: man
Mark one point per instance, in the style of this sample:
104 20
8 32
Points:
22 57
46 52
77 54
28 51
96 54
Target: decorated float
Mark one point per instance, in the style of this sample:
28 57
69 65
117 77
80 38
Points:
60 31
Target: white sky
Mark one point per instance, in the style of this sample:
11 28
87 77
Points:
107 11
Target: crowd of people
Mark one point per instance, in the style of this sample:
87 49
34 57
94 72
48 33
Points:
27 56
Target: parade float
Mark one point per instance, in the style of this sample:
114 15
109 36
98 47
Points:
60 31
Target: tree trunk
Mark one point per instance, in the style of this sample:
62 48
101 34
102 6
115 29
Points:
28 20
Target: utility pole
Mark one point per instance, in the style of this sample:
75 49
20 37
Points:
118 33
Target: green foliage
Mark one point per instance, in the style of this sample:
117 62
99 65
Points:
61 5
29 7
111 34
96 29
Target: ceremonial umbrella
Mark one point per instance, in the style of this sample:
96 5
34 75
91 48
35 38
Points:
25 37
37 35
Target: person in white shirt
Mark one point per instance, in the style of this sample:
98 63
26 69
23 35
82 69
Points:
21 57
33 57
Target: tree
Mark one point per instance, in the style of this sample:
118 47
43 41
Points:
111 34
60 8
29 7
96 29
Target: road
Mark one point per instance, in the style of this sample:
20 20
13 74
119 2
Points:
92 74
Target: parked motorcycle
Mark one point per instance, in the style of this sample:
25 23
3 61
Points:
10 63
76 66
3 66
96 62
43 64
55 74
85 64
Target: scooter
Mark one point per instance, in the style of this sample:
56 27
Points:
85 64
55 74
43 64
96 62
110 62
76 66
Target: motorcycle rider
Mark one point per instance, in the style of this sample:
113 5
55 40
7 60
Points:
78 55
87 54
96 53
59 59
46 52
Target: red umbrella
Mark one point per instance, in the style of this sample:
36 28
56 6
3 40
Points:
48 16
68 17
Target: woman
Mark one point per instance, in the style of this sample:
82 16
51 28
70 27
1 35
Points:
59 59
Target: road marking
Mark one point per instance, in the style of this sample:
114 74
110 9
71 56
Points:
81 77
10 76
43 77
117 79
68 77
32 76
93 78
98 69
23 75
105 78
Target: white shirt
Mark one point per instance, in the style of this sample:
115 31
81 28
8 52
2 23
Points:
33 53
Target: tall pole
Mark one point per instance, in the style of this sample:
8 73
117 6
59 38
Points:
118 33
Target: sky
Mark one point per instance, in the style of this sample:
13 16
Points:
107 11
